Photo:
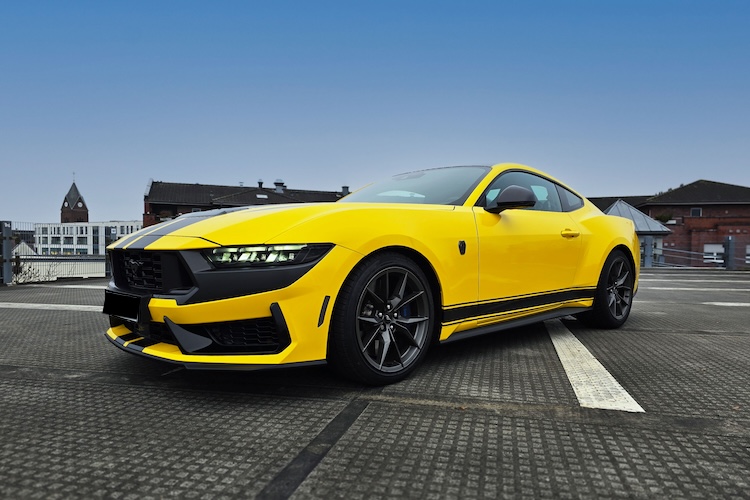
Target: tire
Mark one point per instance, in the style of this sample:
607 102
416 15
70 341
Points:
383 322
613 298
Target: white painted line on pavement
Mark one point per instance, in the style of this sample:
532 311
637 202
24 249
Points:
674 289
724 281
727 304
80 287
49 307
594 386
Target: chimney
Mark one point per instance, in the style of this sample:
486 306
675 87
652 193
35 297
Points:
344 190
279 186
260 183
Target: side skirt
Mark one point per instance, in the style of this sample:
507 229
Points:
514 323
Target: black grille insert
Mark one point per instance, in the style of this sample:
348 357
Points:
252 336
259 334
145 271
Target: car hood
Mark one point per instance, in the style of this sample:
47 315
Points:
258 225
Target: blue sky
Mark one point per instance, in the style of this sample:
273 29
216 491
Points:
612 97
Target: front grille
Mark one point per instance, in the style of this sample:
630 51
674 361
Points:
144 271
252 336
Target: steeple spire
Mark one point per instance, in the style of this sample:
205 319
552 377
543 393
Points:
74 208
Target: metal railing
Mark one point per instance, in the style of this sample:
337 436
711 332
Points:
22 264
671 257
33 268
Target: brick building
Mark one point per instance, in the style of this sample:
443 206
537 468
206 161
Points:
707 220
702 216
166 200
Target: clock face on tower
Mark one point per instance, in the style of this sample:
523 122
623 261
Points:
65 204
80 204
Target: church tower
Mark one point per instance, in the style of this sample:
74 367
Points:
74 209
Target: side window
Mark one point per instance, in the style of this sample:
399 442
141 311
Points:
570 201
545 191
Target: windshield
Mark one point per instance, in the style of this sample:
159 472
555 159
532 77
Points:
438 186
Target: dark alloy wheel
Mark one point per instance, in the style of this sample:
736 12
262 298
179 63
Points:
384 322
614 293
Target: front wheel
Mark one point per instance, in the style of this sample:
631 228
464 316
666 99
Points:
383 321
614 293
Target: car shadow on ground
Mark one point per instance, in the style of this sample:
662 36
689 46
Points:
321 380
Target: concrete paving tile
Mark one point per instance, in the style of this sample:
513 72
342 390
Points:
419 452
74 440
518 365
675 373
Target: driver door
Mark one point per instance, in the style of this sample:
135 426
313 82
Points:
525 252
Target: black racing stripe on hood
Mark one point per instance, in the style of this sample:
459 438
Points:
150 235
126 240
179 223
142 243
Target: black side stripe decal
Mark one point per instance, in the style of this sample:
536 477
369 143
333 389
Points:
507 305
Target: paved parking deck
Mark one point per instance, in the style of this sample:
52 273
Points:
495 416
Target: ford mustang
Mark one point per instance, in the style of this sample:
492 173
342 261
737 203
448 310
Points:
368 283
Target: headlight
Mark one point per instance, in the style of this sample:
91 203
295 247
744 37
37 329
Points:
266 255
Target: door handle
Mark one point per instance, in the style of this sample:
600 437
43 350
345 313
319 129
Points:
569 233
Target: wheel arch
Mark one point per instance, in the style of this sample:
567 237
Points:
626 250
424 265
636 266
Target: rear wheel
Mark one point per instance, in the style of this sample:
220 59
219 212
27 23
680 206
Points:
383 322
614 293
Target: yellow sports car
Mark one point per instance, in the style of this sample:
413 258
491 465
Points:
368 283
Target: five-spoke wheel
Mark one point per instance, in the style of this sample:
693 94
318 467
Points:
384 320
614 293
619 288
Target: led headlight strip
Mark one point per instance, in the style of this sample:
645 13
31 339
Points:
266 255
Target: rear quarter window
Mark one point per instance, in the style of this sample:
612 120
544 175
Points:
570 201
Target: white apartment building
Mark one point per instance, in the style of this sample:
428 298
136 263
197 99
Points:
80 238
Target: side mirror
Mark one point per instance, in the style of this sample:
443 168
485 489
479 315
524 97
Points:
512 197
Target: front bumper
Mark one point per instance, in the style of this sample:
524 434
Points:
288 325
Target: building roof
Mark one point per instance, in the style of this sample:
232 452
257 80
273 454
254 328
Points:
604 202
23 249
703 192
644 225
208 195
73 195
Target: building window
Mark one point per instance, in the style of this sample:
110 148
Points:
696 212
67 240
44 240
44 230
81 240
55 240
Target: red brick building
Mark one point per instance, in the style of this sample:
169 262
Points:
703 217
